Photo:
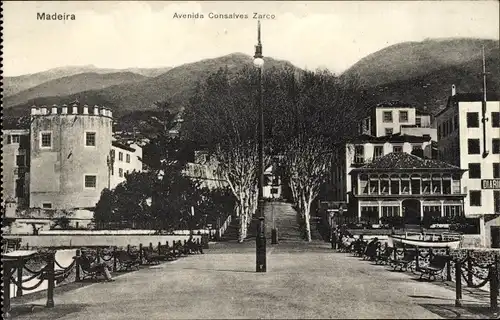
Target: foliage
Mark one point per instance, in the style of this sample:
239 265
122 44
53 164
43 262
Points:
63 222
302 125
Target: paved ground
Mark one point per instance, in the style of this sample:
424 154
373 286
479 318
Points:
303 281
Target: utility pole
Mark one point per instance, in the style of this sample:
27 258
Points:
484 100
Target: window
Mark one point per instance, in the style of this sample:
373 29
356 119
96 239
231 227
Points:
20 160
495 146
387 116
403 116
472 120
474 171
120 173
397 149
473 146
46 140
390 211
496 201
452 211
16 138
495 119
47 205
496 171
475 198
388 131
90 181
120 156
418 122
378 152
90 139
127 158
359 156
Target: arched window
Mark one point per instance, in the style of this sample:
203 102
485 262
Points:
405 184
415 183
394 181
436 183
446 183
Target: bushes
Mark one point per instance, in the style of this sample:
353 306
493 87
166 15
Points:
393 222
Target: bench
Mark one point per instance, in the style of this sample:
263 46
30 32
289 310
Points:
384 256
403 263
359 248
167 251
152 257
87 271
127 260
436 266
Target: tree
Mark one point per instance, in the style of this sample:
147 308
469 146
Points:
324 115
308 116
222 117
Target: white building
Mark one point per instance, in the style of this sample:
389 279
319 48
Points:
396 117
465 140
125 159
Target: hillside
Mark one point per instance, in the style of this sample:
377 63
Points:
178 84
14 85
72 84
422 73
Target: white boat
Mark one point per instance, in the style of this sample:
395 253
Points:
426 240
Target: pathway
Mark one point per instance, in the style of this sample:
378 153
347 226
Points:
303 280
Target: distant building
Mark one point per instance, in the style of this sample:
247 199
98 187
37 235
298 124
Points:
469 137
396 117
62 161
15 166
125 159
366 149
401 184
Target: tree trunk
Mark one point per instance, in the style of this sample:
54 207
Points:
307 217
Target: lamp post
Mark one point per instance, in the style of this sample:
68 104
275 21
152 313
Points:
261 231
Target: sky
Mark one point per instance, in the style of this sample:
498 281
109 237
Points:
311 35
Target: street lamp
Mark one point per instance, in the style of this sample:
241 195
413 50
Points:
261 232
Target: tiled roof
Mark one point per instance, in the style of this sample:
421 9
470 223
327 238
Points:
474 96
392 138
393 104
122 146
405 161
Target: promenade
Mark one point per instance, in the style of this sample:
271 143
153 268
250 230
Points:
303 280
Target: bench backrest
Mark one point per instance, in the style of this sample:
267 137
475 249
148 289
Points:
438 261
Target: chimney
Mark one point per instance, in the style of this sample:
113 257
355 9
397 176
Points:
96 110
85 109
75 108
64 109
54 109
453 90
43 110
34 110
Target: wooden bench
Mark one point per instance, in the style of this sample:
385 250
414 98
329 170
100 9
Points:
152 257
127 260
403 263
436 266
384 256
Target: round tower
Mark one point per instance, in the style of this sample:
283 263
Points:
69 149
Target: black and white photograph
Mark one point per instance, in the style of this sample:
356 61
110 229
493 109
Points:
250 160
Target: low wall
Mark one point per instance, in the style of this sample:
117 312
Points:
91 240
471 241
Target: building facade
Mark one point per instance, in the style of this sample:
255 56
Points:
69 149
466 141
402 184
366 149
396 117
63 160
124 159
15 166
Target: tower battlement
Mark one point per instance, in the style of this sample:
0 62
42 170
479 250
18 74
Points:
72 109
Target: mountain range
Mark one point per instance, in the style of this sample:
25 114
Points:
420 73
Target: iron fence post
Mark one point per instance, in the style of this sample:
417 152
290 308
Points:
469 269
448 264
50 279
19 292
77 265
458 283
